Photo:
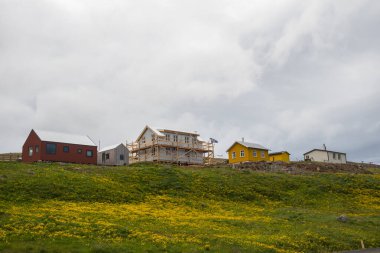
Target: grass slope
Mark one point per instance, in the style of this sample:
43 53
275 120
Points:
161 208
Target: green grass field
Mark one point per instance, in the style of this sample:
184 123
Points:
162 208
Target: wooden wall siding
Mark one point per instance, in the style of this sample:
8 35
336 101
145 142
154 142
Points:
114 156
248 154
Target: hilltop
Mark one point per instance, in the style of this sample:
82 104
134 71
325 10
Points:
148 208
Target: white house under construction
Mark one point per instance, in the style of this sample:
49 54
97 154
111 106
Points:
163 145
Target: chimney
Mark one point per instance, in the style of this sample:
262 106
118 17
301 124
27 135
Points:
242 139
324 146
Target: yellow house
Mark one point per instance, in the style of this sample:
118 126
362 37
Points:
282 156
240 152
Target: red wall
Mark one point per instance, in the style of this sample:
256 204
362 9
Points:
31 141
70 157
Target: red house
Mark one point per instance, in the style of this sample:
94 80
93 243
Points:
58 147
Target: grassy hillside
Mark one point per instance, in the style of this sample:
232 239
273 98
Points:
150 208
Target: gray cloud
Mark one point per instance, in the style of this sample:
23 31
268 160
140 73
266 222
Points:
291 75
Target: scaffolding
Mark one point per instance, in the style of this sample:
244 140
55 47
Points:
159 149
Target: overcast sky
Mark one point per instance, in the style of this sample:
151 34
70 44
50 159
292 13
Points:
290 75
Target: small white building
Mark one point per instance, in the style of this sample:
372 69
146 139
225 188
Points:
114 155
326 156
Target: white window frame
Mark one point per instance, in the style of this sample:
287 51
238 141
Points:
167 137
254 153
187 139
262 154
143 139
233 155
30 151
175 138
242 153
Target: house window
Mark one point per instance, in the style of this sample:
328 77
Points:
143 139
51 148
254 153
168 151
79 151
153 151
167 137
307 157
121 157
242 154
194 140
37 148
153 137
66 149
186 139
107 156
233 155
262 154
334 155
89 153
30 151
175 138
339 157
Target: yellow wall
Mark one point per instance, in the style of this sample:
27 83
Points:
248 154
284 157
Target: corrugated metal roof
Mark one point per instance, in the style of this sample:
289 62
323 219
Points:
323 150
249 145
176 131
252 145
64 138
111 147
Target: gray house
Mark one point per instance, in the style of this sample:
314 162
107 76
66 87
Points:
114 155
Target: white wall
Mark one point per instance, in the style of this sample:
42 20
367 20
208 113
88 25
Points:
336 159
318 156
326 156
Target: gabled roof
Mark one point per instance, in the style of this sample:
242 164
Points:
111 147
248 145
154 130
323 150
279 153
161 132
177 132
64 138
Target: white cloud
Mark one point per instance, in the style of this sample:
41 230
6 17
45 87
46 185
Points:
285 73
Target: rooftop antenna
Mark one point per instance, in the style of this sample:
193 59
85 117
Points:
242 139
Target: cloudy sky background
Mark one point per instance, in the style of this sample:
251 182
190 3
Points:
290 75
